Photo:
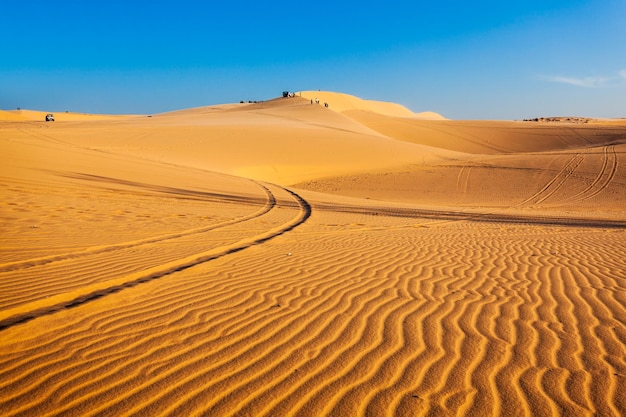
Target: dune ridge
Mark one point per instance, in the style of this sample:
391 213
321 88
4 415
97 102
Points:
345 103
283 258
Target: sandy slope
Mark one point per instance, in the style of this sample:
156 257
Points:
283 258
38 116
340 102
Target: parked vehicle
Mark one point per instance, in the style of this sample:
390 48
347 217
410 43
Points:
50 117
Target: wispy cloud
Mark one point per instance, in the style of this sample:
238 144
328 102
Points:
588 82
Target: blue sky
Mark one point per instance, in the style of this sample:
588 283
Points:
466 60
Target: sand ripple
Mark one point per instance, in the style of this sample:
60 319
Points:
460 268
338 318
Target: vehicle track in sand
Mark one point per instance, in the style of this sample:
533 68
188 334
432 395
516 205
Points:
462 180
268 205
555 184
77 278
604 177
454 320
474 216
378 312
607 173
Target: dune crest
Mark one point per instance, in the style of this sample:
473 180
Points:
344 102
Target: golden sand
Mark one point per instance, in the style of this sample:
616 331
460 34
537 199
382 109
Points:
284 258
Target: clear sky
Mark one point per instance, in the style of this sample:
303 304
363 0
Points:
466 60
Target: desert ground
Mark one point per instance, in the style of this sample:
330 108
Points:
288 258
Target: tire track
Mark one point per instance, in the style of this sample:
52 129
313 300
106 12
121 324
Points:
244 345
608 171
462 180
47 279
44 260
460 318
556 182
12 317
474 216
160 307
603 179
312 338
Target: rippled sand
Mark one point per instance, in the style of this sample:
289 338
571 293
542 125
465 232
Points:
284 258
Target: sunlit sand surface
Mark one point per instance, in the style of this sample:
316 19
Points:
287 258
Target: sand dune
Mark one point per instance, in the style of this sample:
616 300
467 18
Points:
344 102
66 116
283 258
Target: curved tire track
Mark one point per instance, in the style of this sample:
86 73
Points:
603 179
29 263
448 321
12 317
556 182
